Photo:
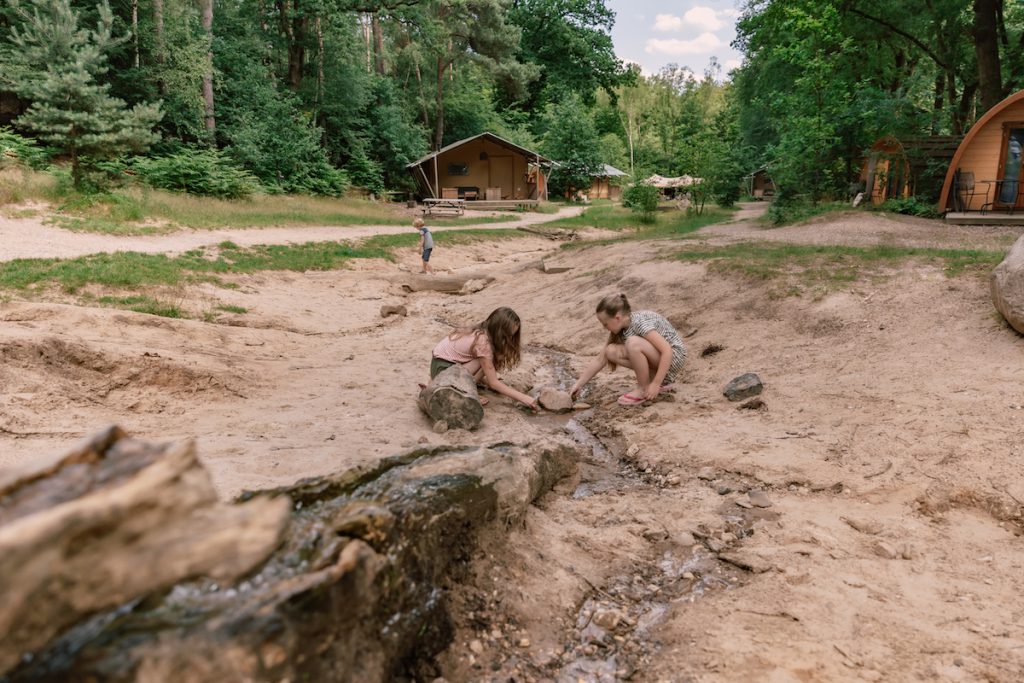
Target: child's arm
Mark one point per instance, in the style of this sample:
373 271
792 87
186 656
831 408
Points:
593 367
491 376
420 247
665 362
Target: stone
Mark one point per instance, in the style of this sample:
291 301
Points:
707 474
555 400
581 406
724 490
747 560
744 386
654 535
674 480
1006 285
685 538
440 427
399 310
632 451
759 499
865 526
885 550
607 619
476 647
744 504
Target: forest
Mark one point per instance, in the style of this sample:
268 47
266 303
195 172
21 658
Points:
322 96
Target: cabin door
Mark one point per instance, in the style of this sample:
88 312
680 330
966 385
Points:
501 176
1009 189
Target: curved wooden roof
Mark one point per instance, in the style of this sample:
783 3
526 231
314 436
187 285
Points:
975 129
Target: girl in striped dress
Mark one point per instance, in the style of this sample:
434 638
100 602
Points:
643 341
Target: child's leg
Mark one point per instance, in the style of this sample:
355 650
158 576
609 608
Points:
637 354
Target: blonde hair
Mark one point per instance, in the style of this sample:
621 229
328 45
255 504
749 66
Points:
418 223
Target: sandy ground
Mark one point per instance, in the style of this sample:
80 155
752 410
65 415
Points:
889 446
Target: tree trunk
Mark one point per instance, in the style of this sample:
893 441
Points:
135 32
319 70
158 35
986 51
451 397
378 43
208 115
940 86
439 109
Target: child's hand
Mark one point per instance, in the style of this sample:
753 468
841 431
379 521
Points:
576 388
534 405
652 391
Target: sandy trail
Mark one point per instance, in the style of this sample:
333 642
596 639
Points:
34 238
890 449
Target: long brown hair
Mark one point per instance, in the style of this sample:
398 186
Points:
612 305
502 328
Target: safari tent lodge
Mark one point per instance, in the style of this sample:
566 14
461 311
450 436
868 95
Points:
484 170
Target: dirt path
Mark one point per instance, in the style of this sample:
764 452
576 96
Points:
33 238
888 447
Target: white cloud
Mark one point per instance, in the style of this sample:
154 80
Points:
731 13
668 22
703 19
702 44
731 64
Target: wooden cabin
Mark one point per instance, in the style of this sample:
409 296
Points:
603 185
760 185
484 167
900 168
985 173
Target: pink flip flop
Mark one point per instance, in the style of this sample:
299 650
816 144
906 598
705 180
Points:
630 399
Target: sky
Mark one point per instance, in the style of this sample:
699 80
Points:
655 33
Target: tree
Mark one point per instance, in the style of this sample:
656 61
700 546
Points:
52 62
571 140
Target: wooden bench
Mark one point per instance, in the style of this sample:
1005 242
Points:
443 207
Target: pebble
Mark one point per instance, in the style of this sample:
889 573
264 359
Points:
674 480
759 499
654 534
524 642
706 473
744 504
688 575
686 539
475 646
607 619
440 427
724 490
632 450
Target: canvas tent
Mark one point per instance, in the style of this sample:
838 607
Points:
986 171
482 167
666 183
760 184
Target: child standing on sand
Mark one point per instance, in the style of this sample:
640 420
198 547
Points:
483 350
643 341
426 244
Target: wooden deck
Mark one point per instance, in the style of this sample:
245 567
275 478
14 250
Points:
502 204
987 218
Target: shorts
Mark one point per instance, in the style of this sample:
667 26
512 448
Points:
426 254
438 365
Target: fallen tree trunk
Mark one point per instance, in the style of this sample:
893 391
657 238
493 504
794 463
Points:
355 592
451 397
113 521
451 284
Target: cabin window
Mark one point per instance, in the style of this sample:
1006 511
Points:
1010 164
458 169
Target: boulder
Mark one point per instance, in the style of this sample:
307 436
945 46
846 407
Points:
742 387
555 400
1007 286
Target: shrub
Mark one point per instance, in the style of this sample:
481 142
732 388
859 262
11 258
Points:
913 206
19 150
202 172
643 200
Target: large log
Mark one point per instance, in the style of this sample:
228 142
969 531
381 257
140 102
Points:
355 592
451 397
450 284
113 521
1007 286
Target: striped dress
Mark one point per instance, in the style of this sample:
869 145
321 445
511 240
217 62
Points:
642 322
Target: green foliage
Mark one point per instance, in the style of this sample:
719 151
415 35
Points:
53 63
198 171
642 200
913 206
15 149
788 209
571 140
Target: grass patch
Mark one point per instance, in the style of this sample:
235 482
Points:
143 304
231 308
781 213
673 224
831 266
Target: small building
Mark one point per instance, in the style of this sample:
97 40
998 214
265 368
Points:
760 185
482 167
603 187
985 173
900 168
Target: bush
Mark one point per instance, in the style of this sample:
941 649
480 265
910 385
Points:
643 200
19 150
202 172
913 206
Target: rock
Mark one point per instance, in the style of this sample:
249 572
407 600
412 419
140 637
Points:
865 526
581 406
654 535
555 400
886 550
523 642
607 619
440 427
476 647
386 310
742 387
724 490
707 474
632 451
1006 285
674 480
759 499
744 504
686 539
714 545
747 560
473 286
452 397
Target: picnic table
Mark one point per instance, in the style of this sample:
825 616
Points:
447 207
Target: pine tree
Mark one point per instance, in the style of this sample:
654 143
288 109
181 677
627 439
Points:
55 64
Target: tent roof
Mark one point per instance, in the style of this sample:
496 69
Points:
610 171
664 182
489 136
